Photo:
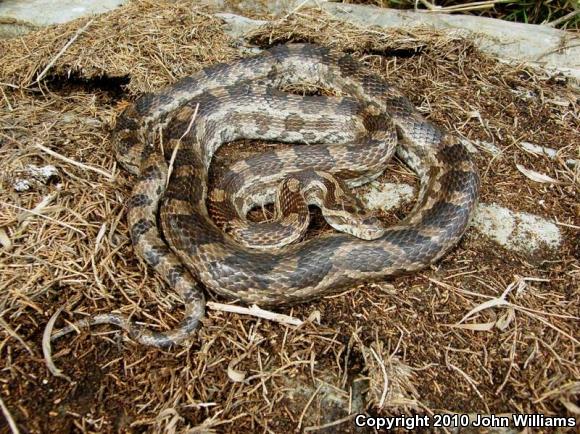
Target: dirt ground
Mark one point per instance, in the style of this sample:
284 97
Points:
387 348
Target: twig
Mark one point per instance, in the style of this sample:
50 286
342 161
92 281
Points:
426 4
193 116
15 335
308 403
9 418
385 377
47 350
9 85
36 213
486 4
556 50
10 108
560 20
519 283
329 424
74 162
176 148
63 49
257 312
470 380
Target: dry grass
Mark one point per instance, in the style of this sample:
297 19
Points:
560 13
382 348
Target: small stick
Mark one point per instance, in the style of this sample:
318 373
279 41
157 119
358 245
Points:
9 418
174 153
329 424
308 405
63 49
38 214
46 348
297 8
193 116
562 19
385 377
9 85
257 312
73 162
485 4
15 335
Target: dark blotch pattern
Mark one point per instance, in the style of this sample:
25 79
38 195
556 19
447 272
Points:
293 122
408 239
139 200
195 231
181 188
175 274
151 173
458 181
185 84
313 264
149 101
140 228
281 51
154 254
454 154
377 122
125 121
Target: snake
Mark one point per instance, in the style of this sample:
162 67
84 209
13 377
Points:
200 240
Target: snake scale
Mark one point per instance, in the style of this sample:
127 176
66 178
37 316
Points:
346 141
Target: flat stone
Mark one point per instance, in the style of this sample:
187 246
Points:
516 231
386 196
532 43
237 26
20 16
537 44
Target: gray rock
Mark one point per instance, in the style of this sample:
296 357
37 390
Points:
237 26
536 44
21 16
517 231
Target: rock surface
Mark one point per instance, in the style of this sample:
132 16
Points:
517 231
20 16
537 44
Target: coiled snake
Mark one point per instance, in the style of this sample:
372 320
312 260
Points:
348 142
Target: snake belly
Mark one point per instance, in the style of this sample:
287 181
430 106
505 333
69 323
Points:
190 251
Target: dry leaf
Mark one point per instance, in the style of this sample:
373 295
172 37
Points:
236 375
46 348
536 176
5 240
505 320
478 327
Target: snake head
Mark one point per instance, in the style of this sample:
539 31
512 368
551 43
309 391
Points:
369 228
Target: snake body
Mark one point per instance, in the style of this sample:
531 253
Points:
225 102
